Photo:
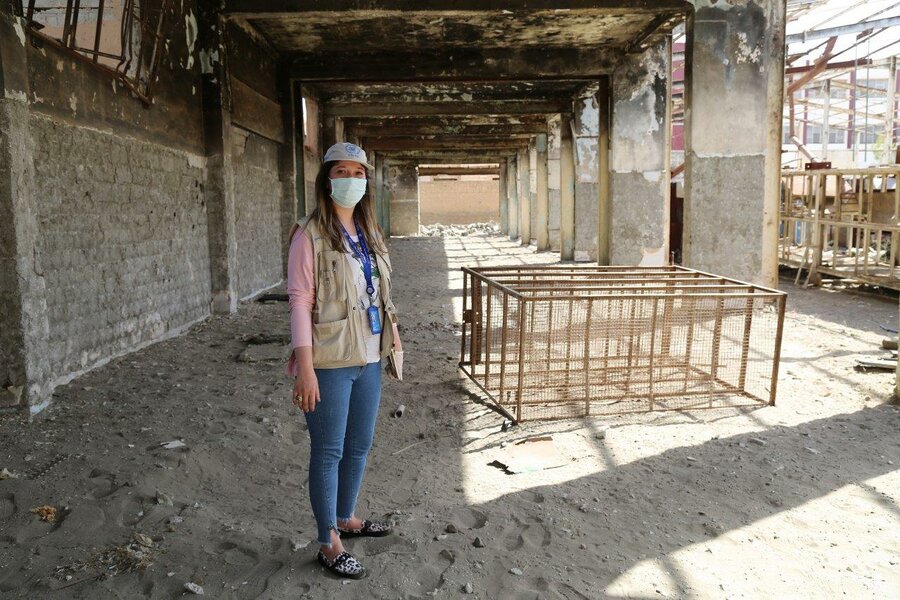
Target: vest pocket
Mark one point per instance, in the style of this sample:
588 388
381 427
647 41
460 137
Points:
332 274
332 342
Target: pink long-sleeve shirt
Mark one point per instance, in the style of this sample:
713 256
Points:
301 289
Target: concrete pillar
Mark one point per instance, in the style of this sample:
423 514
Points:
639 156
377 190
553 181
24 328
286 164
403 185
512 189
332 130
587 174
532 191
566 193
733 103
542 210
524 198
219 191
504 199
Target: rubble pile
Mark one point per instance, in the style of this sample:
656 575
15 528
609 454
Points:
440 230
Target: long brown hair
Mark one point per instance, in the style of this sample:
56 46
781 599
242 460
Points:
324 215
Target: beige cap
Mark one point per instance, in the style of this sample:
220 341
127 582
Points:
347 151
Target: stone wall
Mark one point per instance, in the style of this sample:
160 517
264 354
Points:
458 201
122 239
257 211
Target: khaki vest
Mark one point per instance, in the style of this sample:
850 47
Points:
338 326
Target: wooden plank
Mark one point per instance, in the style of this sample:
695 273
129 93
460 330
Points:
255 112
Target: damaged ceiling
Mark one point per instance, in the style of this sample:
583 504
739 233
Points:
410 76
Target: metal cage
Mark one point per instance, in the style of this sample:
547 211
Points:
552 342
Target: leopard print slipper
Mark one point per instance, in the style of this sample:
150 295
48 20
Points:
368 529
343 565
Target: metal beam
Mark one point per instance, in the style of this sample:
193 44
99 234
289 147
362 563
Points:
819 34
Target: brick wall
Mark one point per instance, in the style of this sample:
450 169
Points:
458 201
257 212
122 241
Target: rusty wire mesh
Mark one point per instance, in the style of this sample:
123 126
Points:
561 342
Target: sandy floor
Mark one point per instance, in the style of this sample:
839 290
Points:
799 500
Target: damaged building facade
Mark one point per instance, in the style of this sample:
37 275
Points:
149 180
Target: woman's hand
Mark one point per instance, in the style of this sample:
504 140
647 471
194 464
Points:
306 385
306 391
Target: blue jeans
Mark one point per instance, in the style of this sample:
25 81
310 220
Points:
341 429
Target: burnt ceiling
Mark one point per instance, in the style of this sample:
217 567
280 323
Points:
478 76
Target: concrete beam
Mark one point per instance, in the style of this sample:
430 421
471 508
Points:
495 131
461 170
451 143
468 63
639 158
733 96
25 372
445 157
270 9
490 107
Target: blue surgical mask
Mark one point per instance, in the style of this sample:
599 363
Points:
348 191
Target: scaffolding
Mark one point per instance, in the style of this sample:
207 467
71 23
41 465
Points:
841 83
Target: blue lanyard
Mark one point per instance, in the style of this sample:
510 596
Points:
361 251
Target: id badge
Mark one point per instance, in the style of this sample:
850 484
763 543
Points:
374 319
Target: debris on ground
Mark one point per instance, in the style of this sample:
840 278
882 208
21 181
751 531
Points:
194 588
265 353
266 338
879 364
46 513
531 454
443 231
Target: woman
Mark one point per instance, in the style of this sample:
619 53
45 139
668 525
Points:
343 323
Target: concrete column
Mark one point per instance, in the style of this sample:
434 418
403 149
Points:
733 103
566 193
377 190
512 189
332 128
553 181
219 191
286 164
524 198
24 328
587 174
542 210
403 185
532 191
504 199
639 156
